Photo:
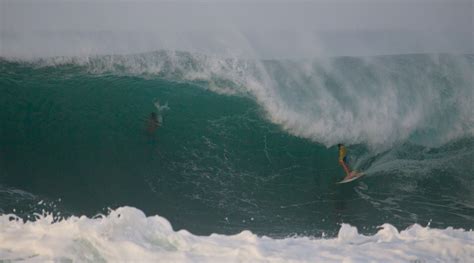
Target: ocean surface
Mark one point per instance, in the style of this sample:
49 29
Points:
244 164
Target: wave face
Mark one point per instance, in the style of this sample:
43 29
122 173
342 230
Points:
243 145
126 234
377 101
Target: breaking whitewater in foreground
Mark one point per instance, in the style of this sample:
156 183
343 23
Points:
126 234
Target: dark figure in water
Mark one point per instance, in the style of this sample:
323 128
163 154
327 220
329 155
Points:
152 123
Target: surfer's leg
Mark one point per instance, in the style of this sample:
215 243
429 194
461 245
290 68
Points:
346 169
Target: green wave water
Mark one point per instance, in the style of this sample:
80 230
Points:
243 145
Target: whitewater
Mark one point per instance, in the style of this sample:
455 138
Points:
126 234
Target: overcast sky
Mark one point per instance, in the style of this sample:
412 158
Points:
242 28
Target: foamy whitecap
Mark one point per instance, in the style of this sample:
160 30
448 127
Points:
126 235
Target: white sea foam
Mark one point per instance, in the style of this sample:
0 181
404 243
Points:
126 235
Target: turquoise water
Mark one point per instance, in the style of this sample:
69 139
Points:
243 144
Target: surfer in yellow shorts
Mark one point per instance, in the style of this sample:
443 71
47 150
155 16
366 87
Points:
343 160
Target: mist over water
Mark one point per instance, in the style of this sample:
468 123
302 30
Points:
261 29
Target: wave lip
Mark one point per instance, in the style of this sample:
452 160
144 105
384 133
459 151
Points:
126 234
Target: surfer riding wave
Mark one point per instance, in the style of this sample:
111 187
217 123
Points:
343 162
